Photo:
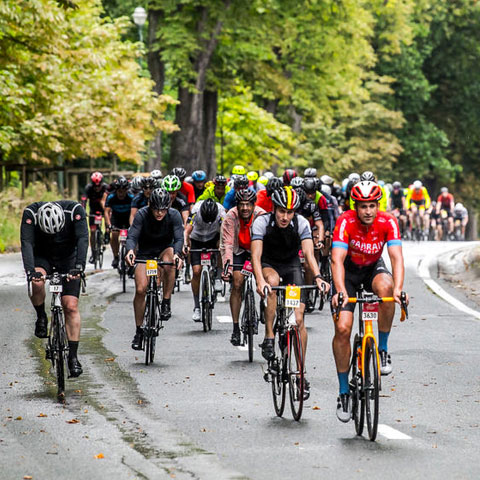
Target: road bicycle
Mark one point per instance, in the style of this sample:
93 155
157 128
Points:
287 366
56 349
364 374
98 244
208 294
152 320
122 264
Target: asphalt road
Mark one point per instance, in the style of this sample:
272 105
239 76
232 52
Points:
202 411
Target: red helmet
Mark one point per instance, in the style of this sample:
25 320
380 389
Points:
288 175
96 178
366 192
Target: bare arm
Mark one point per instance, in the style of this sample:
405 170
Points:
108 216
396 257
256 252
133 211
338 272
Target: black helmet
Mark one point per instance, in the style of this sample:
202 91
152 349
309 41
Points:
367 176
180 172
318 183
273 184
245 195
219 180
159 199
209 210
301 195
288 175
121 182
297 182
310 172
149 182
240 182
310 185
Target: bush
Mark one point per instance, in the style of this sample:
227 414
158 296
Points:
11 209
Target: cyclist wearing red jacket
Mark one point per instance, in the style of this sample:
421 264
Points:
358 241
264 197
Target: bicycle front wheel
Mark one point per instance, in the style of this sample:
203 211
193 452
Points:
98 249
371 388
356 388
58 356
150 325
205 301
249 315
278 371
295 373
123 269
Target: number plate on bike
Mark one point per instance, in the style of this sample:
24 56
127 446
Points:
370 312
301 256
98 219
151 268
56 288
292 296
247 269
123 235
206 258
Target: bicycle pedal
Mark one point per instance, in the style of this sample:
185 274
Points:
267 376
48 355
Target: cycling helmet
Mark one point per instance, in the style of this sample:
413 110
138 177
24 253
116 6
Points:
354 177
367 176
273 184
327 180
171 183
96 178
396 185
326 189
209 210
149 182
366 192
189 179
239 170
199 176
417 184
444 190
269 175
297 182
156 174
121 182
288 175
51 218
137 183
219 180
458 207
252 176
180 172
301 195
240 182
318 184
286 197
245 195
310 172
159 199
310 185
263 180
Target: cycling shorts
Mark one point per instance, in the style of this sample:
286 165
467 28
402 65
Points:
240 260
121 222
289 273
195 244
71 287
419 203
356 276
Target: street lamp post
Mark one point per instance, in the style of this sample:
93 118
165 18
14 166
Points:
139 17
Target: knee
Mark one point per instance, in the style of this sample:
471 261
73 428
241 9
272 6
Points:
141 289
384 288
342 331
70 307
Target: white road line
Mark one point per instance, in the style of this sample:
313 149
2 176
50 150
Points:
424 273
224 319
244 348
391 433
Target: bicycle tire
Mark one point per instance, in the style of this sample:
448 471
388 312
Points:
153 327
277 368
58 354
249 314
98 249
356 389
205 299
295 373
149 317
371 389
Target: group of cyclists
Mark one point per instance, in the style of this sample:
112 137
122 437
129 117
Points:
299 230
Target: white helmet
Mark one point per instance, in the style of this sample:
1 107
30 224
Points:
269 175
156 174
51 218
458 206
326 189
417 184
327 180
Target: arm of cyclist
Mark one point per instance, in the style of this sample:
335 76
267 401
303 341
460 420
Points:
81 235
134 233
108 217
339 255
257 249
227 234
177 238
307 249
186 235
398 271
27 238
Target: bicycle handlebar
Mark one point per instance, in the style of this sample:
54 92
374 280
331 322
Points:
73 272
204 250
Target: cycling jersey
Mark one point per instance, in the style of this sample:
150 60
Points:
95 197
120 210
397 199
198 191
139 201
203 232
71 243
264 201
153 236
309 210
364 244
209 192
446 202
189 192
419 197
180 203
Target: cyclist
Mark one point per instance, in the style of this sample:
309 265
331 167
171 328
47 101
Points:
310 172
288 175
187 188
54 235
396 205
136 185
253 178
368 176
202 231
358 242
461 213
217 191
353 178
117 214
235 244
157 175
276 239
237 171
199 178
148 184
418 200
240 182
96 194
172 184
157 231
445 201
264 197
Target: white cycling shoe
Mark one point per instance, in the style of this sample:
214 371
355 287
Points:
196 317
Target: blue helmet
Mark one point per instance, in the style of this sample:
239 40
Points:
199 176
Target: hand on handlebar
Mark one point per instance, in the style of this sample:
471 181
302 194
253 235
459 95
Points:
130 258
322 285
263 288
36 277
335 300
178 261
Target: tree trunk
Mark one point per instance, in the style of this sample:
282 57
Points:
210 107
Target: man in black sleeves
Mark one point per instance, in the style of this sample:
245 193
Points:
54 235
157 230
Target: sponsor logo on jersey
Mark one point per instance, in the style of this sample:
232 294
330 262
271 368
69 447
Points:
78 216
368 248
28 220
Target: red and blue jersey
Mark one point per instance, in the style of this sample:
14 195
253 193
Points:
364 244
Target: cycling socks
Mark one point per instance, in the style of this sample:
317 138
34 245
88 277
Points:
236 327
40 309
343 380
196 301
383 341
72 349
166 301
139 329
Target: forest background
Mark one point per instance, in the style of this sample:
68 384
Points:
391 86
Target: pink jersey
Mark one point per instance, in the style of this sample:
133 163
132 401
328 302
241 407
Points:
365 244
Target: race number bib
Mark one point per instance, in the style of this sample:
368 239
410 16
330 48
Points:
370 312
123 235
98 219
151 268
301 256
247 269
292 296
206 258
56 288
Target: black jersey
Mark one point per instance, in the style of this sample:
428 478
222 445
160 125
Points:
120 209
139 200
397 199
180 203
95 197
70 243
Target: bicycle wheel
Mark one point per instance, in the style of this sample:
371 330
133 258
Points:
278 371
295 373
123 269
356 383
249 315
58 354
149 330
371 389
98 249
205 300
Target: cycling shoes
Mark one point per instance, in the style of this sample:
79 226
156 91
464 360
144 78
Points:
41 326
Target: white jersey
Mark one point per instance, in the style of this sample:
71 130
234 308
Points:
203 232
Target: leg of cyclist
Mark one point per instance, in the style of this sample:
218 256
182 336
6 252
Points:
72 324
168 279
114 243
38 302
195 283
139 304
235 304
93 229
273 279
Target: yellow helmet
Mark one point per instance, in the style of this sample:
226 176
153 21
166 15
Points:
239 170
263 180
252 176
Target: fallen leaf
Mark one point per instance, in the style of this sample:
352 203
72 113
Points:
27 477
85 411
73 420
78 391
212 374
414 426
42 415
19 418
109 359
139 402
316 407
100 455
297 443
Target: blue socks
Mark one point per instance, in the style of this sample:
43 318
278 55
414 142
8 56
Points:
343 380
383 341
